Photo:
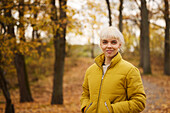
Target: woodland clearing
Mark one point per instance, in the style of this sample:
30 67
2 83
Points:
156 87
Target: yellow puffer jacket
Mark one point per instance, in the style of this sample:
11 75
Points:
119 91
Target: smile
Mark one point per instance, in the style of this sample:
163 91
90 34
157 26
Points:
109 51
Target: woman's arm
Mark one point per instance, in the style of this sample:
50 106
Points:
136 98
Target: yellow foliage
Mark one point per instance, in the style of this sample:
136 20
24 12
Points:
48 49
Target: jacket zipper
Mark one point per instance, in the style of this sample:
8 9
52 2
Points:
101 85
107 107
88 107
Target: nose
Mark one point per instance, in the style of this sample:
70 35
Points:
109 45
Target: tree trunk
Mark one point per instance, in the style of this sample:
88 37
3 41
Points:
109 12
141 48
167 40
59 46
120 16
92 50
57 96
25 93
145 38
3 85
92 45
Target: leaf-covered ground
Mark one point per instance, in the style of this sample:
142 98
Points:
157 88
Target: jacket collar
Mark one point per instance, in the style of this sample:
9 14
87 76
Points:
99 60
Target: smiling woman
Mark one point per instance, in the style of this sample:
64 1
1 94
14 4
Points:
109 47
111 84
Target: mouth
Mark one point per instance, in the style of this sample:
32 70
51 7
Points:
109 51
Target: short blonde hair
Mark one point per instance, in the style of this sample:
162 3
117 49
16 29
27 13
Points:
112 32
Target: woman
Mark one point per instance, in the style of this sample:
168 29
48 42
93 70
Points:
111 84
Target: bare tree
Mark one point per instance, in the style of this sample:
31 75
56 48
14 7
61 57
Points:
121 16
9 108
167 40
92 45
59 46
144 39
109 12
25 93
3 85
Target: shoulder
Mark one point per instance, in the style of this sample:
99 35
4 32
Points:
132 71
91 68
127 66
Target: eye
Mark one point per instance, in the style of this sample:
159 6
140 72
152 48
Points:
114 42
104 41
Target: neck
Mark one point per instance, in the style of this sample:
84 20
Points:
108 59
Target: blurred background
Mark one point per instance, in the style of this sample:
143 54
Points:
47 45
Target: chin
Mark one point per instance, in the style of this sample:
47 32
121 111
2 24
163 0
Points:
110 55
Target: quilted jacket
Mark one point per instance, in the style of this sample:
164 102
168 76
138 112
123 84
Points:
119 90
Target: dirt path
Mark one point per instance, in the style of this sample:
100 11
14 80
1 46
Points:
155 100
157 97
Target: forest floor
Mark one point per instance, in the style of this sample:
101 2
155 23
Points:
157 89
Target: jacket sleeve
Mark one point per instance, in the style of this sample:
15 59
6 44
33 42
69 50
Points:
136 98
85 94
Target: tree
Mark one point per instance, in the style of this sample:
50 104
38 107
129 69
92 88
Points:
144 39
25 93
3 85
3 36
59 46
120 16
92 45
109 12
167 40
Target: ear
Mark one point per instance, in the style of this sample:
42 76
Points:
120 45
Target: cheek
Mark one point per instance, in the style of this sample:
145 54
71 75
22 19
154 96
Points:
116 46
103 47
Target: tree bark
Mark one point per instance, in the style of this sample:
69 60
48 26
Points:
92 45
9 108
120 16
92 50
59 46
25 93
109 12
167 40
145 38
141 48
9 28
3 85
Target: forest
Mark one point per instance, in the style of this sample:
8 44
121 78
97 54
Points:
47 45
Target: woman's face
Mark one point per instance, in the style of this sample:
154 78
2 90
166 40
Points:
110 46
